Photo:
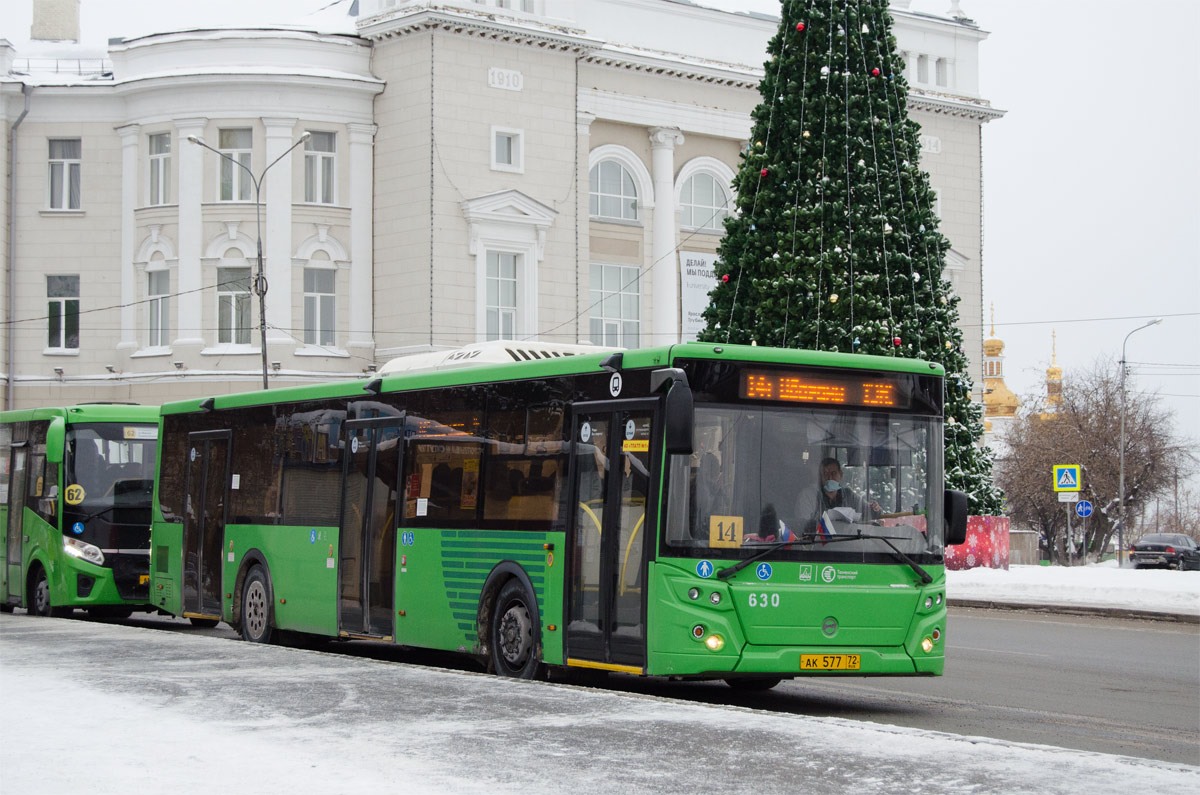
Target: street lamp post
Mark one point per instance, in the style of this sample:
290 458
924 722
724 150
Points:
260 281
1121 488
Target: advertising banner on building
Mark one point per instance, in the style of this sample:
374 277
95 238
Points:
697 278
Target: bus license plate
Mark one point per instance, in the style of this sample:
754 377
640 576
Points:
829 662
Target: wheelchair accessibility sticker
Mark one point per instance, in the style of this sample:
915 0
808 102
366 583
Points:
763 571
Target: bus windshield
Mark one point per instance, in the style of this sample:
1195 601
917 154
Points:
110 464
764 475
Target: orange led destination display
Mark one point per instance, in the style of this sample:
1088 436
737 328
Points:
794 387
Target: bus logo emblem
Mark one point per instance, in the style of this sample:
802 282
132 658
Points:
829 627
806 572
828 573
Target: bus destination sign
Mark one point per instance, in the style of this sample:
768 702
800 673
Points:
835 389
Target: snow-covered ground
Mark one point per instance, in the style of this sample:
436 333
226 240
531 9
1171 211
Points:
1104 585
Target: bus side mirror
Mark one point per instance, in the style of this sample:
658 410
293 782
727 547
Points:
56 436
678 409
956 517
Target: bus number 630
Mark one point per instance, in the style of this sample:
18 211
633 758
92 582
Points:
764 600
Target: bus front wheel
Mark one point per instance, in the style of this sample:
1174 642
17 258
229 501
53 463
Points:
39 597
257 609
513 638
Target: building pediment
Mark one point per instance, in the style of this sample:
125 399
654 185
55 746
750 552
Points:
508 215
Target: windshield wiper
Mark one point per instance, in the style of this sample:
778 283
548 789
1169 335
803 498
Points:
812 538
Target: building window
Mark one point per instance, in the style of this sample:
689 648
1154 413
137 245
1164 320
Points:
158 290
235 181
612 192
320 302
501 285
508 150
704 202
233 305
922 68
941 72
615 301
62 293
160 168
65 169
319 170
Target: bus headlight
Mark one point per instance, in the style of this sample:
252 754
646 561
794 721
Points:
83 550
714 642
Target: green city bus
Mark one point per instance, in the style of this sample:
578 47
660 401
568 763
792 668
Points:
75 490
544 506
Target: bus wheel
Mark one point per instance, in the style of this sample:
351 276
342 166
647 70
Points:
752 685
513 645
257 609
204 623
39 598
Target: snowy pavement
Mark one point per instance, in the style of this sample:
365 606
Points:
105 708
1102 586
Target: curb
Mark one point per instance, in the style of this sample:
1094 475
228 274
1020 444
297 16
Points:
1077 610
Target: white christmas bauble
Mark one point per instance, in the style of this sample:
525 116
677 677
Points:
824 71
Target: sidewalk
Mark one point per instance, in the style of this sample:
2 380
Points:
1102 589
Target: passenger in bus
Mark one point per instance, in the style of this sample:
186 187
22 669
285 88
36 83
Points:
712 494
812 503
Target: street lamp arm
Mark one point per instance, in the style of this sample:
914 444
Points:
193 139
1121 485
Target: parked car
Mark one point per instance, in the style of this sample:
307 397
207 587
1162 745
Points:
1165 550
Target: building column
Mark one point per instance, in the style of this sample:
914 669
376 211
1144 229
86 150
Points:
362 195
664 318
129 192
190 317
277 232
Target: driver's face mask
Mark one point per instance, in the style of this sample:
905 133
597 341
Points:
832 485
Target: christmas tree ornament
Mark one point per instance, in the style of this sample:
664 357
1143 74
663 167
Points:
875 72
896 341
799 27
865 29
887 228
824 71
942 300
805 134
759 144
833 298
725 278
862 163
763 173
916 277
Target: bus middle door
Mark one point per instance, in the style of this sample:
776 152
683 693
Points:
612 480
367 539
204 520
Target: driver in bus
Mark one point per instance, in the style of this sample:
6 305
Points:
810 505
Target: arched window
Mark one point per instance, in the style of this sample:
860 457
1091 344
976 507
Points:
704 203
613 193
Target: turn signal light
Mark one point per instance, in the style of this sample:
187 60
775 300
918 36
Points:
714 642
698 631
927 645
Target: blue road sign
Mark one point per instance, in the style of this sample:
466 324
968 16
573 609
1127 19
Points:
704 568
1083 508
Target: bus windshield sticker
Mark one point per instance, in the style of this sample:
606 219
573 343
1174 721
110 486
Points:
763 571
636 446
74 494
725 531
134 432
614 385
77 528
235 482
630 429
585 432
422 506
704 568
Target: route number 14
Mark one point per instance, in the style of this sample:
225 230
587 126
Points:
764 600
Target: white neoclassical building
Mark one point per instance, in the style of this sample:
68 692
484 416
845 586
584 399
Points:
462 170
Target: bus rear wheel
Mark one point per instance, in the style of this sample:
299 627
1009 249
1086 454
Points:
513 639
258 613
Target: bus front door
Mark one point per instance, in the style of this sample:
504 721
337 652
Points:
204 522
611 532
367 542
16 524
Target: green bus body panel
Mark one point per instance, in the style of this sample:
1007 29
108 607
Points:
441 581
166 567
879 609
303 580
98 412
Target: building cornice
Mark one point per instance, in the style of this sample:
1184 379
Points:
946 105
464 22
667 65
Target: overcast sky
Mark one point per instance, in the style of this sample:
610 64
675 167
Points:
1092 206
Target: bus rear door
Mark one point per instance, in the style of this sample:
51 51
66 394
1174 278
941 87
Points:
612 483
204 522
16 522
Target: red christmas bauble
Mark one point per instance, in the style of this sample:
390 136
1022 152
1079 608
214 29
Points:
896 341
763 173
725 278
799 26
875 72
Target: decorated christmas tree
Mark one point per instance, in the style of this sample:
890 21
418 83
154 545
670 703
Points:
836 246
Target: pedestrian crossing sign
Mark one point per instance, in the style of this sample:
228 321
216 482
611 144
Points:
1066 477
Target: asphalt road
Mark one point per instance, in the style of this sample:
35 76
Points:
1109 685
